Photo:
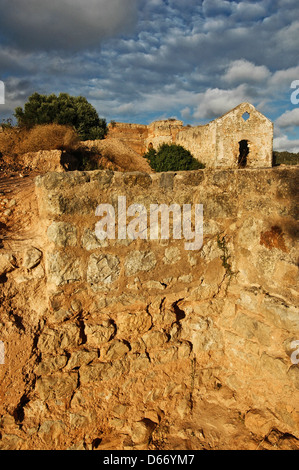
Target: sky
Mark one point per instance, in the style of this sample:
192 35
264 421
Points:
138 61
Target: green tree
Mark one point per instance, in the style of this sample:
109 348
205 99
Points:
285 158
172 157
64 109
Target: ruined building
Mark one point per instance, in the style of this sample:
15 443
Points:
243 137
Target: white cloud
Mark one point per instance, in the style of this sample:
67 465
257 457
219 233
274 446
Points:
287 37
215 102
288 119
282 143
243 71
282 78
246 11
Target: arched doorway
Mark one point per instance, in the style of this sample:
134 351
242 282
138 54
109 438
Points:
243 153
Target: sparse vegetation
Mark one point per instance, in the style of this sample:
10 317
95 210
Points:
172 157
221 243
15 141
285 158
64 110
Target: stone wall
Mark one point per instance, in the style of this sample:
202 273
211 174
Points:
163 132
201 142
216 144
133 135
142 344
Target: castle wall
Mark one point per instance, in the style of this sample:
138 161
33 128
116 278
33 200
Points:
163 132
201 142
133 135
257 130
215 144
136 344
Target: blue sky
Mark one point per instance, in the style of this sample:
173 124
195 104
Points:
142 60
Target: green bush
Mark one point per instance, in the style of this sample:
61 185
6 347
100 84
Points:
64 110
172 157
285 158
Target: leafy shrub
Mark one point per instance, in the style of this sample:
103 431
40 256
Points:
64 110
172 157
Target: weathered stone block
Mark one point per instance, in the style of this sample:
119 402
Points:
220 205
59 204
67 337
139 362
102 371
155 339
62 234
166 180
92 373
51 365
192 178
142 431
7 263
80 358
137 179
132 324
103 268
63 268
172 255
60 316
31 258
280 314
117 350
98 334
53 180
139 261
102 177
91 242
58 386
51 430
78 421
165 355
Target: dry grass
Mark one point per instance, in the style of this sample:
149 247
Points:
43 137
119 154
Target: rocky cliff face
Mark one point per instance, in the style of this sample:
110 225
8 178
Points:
137 344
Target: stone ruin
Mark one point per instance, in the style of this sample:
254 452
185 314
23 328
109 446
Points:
243 137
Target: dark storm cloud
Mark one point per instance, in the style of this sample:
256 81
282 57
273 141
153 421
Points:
64 24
